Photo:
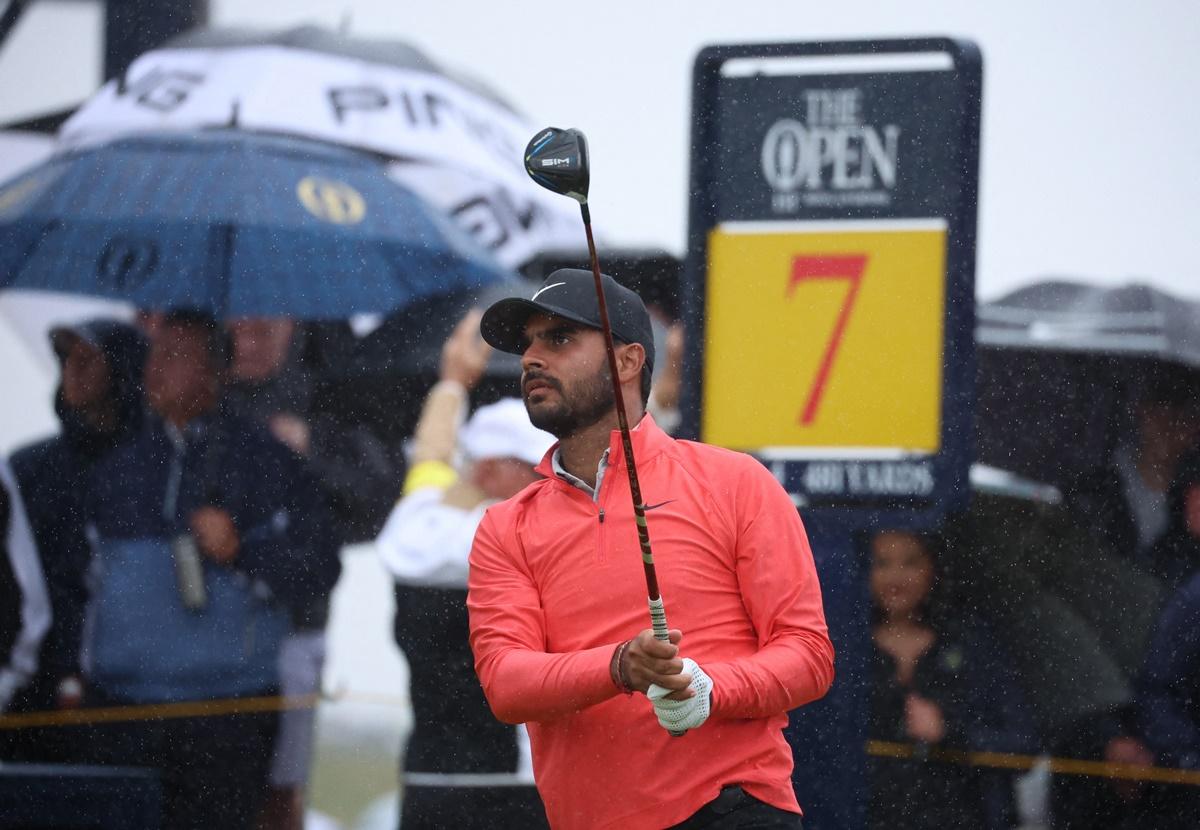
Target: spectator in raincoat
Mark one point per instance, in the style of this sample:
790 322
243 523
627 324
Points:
935 684
268 382
1176 555
1168 705
272 380
99 405
462 766
210 540
1125 500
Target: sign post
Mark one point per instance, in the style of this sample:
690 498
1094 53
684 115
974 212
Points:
829 310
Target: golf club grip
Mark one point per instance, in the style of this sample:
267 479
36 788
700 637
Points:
658 619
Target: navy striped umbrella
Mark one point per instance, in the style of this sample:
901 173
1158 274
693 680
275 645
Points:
232 223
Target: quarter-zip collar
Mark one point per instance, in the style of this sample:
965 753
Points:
576 481
648 441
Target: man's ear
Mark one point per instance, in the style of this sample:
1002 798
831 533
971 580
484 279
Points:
631 357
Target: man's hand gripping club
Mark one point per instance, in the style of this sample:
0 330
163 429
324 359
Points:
678 688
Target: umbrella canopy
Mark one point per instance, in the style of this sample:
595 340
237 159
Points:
232 223
1059 364
381 379
410 341
450 138
382 52
1129 321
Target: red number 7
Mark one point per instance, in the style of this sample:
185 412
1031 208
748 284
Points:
849 268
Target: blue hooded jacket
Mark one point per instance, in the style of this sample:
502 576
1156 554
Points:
143 644
52 477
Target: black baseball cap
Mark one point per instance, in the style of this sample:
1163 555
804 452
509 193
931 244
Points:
92 332
570 293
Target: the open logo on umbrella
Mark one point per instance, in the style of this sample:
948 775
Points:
127 262
331 201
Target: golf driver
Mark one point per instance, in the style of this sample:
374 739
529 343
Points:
558 161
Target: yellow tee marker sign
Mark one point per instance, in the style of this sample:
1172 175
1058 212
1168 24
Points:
825 338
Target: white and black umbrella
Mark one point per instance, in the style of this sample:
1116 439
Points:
1060 315
1059 363
451 139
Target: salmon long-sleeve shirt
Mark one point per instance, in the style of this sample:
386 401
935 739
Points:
556 584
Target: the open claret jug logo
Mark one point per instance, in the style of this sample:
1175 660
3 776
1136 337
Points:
831 159
332 201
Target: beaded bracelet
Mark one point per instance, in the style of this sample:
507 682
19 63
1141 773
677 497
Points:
616 669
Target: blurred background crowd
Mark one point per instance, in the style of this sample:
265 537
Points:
228 446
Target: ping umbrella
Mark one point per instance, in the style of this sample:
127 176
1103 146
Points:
448 137
232 223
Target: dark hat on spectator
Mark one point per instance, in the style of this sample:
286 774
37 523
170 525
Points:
1169 384
1185 478
93 332
124 349
570 293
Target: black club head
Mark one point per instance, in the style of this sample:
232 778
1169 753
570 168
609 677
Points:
558 161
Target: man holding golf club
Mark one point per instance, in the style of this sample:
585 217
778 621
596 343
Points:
630 726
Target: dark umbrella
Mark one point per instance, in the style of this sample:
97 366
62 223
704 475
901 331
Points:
232 223
1132 320
1059 364
382 378
1060 361
410 341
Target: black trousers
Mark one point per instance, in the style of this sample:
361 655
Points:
501 808
213 769
735 809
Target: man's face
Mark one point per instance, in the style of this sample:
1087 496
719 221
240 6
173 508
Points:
565 381
180 380
502 478
85 375
260 346
1175 427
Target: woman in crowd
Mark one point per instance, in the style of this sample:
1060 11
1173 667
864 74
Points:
934 684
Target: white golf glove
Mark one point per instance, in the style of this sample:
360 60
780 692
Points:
678 716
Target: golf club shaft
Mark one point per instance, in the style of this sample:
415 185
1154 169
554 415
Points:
658 615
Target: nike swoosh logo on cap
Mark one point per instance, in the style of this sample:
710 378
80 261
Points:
547 288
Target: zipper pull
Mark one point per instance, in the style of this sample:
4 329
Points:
601 515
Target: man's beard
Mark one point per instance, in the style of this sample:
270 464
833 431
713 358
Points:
591 400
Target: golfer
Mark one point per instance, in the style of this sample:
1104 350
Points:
557 597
